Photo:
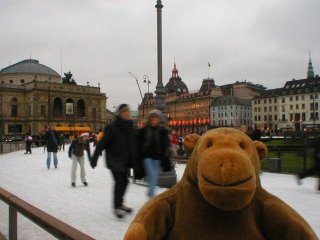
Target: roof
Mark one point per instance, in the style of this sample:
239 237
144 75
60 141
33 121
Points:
29 66
231 100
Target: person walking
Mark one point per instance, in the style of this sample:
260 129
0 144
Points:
62 141
52 143
174 141
76 153
315 169
119 141
28 141
154 145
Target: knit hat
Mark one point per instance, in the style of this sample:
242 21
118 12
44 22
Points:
84 135
155 113
122 108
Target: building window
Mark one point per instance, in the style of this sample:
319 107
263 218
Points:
302 106
21 80
283 100
42 110
297 98
291 107
275 117
14 107
290 99
275 108
297 106
11 81
283 117
270 109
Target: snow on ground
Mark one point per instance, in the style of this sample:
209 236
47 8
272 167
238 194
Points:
89 209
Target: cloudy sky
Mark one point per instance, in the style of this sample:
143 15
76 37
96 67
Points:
100 41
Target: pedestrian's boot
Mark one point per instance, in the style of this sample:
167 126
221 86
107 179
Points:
119 212
126 209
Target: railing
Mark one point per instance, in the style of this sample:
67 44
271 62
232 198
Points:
49 223
7 147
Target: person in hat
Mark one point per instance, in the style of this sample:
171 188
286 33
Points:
119 141
76 153
52 145
154 145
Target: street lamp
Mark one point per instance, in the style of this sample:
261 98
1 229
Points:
142 104
147 81
49 102
314 116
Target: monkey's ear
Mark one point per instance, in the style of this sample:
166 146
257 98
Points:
261 149
190 141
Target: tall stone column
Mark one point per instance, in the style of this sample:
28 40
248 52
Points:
160 92
166 179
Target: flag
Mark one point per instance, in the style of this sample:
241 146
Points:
209 64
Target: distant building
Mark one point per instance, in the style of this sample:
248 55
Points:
32 95
291 108
195 111
230 111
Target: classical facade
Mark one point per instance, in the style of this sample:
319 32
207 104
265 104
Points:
294 107
33 95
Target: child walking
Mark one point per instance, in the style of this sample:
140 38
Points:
76 153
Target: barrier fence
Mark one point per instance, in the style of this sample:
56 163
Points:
49 223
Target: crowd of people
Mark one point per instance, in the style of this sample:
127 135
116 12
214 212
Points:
146 150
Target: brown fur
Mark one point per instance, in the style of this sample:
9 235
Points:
219 197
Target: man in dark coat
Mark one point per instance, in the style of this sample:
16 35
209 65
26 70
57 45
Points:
52 143
119 141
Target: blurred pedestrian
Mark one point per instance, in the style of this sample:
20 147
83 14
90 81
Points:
52 144
174 141
100 135
119 141
154 145
76 153
28 142
62 141
315 169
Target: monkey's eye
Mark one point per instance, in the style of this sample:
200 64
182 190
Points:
242 145
209 143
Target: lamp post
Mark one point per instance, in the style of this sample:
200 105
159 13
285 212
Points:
314 116
49 102
147 81
142 103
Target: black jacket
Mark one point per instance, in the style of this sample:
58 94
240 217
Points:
52 141
154 143
119 141
76 148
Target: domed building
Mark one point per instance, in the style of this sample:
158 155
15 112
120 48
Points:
175 84
26 71
33 95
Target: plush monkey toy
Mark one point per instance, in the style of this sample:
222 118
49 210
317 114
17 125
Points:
219 197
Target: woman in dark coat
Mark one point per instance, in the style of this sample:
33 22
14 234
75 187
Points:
154 145
119 141
52 143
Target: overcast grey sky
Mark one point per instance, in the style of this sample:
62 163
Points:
262 41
